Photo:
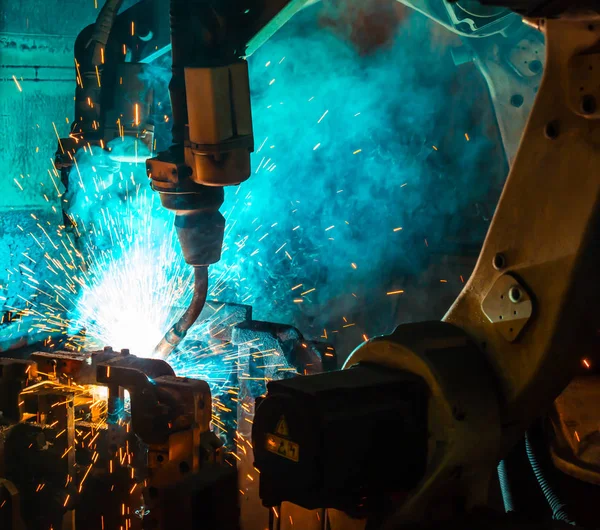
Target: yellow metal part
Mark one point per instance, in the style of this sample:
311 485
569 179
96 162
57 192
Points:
545 226
220 124
171 463
463 420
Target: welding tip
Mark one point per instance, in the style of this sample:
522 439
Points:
168 343
178 332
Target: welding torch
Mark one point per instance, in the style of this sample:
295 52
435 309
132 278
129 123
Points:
212 142
178 332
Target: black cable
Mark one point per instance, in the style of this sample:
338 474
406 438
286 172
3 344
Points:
90 51
506 487
558 507
176 334
104 22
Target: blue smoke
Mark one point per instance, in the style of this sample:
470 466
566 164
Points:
349 150
364 166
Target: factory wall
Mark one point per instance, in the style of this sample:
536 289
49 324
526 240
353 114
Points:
37 83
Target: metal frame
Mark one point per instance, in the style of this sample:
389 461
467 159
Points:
545 226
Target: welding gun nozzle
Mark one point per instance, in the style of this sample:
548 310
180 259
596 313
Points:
178 332
168 343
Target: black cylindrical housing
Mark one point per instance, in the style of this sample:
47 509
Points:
201 237
342 439
200 227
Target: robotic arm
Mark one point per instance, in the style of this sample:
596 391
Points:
212 124
211 115
506 348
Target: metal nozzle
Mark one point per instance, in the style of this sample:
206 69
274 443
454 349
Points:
177 333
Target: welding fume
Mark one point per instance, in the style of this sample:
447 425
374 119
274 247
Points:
298 264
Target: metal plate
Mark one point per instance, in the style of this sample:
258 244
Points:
509 314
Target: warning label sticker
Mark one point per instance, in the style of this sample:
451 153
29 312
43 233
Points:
282 427
282 447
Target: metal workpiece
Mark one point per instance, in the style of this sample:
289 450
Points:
37 452
155 450
508 306
512 65
537 8
15 374
290 352
223 317
550 243
463 414
508 53
465 17
161 405
81 367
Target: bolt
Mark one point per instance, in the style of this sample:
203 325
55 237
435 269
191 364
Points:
499 261
517 100
588 104
536 66
458 414
515 294
552 130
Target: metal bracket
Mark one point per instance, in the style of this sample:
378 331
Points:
508 306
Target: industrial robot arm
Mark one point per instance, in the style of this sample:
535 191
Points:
211 116
514 337
212 124
464 389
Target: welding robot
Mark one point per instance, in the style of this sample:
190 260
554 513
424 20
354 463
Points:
410 433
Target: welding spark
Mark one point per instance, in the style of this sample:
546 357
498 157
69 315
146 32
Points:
17 83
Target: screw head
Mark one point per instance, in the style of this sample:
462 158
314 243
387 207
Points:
499 261
552 130
588 104
515 294
517 100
